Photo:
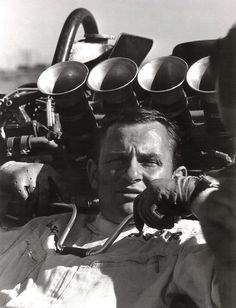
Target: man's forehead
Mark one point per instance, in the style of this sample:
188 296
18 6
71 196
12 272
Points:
139 131
146 136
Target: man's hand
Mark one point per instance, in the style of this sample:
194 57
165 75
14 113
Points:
25 188
163 201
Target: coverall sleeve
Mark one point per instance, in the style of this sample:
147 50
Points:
195 275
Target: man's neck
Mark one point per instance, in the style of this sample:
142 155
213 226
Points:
104 226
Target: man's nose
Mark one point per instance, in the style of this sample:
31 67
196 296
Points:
133 172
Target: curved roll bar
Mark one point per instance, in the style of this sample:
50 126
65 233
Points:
68 32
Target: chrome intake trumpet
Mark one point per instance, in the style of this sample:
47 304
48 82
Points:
163 79
112 80
64 83
202 79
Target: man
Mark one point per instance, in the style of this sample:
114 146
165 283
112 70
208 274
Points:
217 214
149 269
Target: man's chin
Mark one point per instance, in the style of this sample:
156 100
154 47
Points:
127 208
119 215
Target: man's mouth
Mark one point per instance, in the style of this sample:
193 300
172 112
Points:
129 193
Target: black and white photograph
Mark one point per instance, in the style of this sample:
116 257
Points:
117 154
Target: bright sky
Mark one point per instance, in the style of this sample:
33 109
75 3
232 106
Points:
35 25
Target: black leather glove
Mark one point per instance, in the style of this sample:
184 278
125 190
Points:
162 203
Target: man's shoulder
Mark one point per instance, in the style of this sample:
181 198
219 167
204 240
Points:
60 220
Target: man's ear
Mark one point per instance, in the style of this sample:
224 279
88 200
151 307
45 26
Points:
92 172
180 171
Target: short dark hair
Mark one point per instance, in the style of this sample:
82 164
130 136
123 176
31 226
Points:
130 116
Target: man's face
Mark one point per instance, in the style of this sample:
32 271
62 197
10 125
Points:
131 157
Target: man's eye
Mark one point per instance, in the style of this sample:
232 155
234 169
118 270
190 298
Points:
115 160
151 163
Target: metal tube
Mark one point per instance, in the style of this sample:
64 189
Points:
49 112
83 252
70 224
68 32
112 238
